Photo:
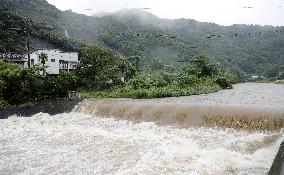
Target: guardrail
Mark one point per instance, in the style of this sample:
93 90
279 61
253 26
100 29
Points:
277 167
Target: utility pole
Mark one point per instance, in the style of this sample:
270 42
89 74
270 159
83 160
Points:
28 46
29 53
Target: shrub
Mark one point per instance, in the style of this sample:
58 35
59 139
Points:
18 86
147 80
3 103
202 67
14 82
185 80
225 80
58 86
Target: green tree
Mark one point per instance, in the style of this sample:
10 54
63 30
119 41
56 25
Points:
274 70
43 58
16 84
128 68
99 68
12 38
202 67
157 64
58 86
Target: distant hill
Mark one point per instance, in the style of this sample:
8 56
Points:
15 29
133 32
101 14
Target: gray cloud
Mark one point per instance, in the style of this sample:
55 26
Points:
224 12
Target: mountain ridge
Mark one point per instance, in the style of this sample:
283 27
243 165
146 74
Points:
253 49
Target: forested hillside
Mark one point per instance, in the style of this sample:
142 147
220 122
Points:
136 33
14 32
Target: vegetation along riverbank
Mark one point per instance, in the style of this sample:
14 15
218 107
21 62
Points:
129 60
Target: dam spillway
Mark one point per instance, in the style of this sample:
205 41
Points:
247 106
241 116
159 136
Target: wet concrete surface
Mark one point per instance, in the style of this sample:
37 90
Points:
51 107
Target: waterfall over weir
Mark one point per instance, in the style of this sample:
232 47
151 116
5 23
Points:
187 115
231 132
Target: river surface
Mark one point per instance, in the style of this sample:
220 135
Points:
84 142
257 94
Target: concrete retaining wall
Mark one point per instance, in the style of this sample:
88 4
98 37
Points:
52 108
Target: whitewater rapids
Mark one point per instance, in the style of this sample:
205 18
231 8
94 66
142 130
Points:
82 144
230 132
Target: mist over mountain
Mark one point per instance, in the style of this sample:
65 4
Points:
137 33
101 14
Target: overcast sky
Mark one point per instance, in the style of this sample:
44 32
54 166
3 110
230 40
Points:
224 12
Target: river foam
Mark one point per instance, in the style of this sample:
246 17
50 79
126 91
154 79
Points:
187 115
235 131
76 143
248 105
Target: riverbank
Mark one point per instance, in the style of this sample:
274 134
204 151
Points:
262 95
50 107
105 141
154 92
246 106
270 81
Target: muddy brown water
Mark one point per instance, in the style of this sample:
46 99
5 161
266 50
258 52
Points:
255 106
224 133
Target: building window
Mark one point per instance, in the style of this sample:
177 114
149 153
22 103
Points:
53 60
32 61
63 64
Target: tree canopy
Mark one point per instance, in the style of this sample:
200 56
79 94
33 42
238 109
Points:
253 49
99 68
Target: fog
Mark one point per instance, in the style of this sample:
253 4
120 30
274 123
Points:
262 12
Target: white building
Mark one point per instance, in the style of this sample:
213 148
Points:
18 59
56 60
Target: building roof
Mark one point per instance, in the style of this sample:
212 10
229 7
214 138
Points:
12 56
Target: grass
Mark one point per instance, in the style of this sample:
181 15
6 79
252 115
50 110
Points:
279 82
270 81
153 92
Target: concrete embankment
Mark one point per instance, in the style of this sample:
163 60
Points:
277 167
51 107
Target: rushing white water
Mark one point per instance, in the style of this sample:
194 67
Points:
247 105
158 136
75 143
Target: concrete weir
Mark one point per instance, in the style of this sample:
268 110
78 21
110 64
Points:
236 131
187 115
50 107
246 107
247 117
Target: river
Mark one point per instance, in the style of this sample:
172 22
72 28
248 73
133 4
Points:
125 136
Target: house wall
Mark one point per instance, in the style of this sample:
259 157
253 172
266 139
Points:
54 59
